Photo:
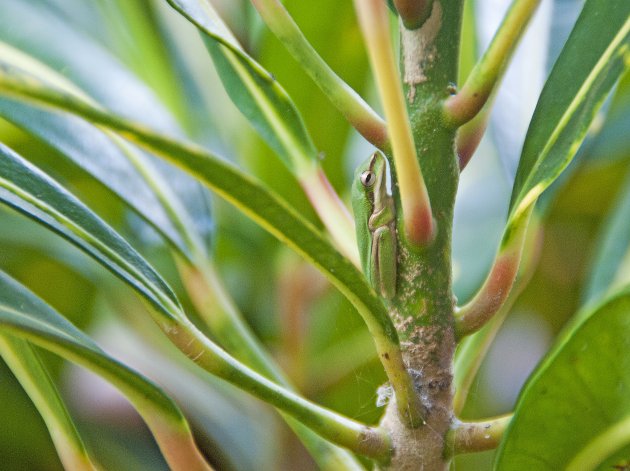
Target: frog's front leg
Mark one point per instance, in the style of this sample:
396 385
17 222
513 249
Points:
383 274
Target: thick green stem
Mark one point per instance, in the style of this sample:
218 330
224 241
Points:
423 308
463 106
348 102
418 225
472 437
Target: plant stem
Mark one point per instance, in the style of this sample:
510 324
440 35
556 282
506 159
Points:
495 290
219 313
358 113
369 441
473 349
470 134
416 207
257 202
463 106
423 306
471 437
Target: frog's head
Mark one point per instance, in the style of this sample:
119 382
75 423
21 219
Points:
370 182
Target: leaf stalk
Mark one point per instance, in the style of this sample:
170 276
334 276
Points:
472 437
497 286
358 113
416 206
373 442
462 107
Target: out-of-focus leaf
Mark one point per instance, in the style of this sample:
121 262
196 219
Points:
254 90
256 201
524 78
23 430
32 374
100 156
592 60
25 315
251 447
52 41
611 248
611 141
574 412
87 65
133 32
30 191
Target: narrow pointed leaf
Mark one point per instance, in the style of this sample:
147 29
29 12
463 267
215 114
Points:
593 58
90 67
30 191
247 194
574 412
236 373
87 63
254 90
97 154
27 367
171 319
23 314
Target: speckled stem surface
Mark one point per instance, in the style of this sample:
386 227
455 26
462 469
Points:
423 309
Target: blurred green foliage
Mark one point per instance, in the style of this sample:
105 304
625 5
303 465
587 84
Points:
153 43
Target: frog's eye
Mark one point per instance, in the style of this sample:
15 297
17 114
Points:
368 178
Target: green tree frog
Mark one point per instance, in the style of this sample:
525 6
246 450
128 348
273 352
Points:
375 217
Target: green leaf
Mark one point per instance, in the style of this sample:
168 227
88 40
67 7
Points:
23 314
222 176
30 191
100 156
574 412
247 194
593 58
135 34
34 378
91 70
611 248
254 90
51 40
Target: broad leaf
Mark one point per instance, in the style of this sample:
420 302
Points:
23 314
30 191
27 367
574 412
592 60
254 90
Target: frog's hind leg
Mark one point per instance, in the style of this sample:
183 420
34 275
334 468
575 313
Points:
383 275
